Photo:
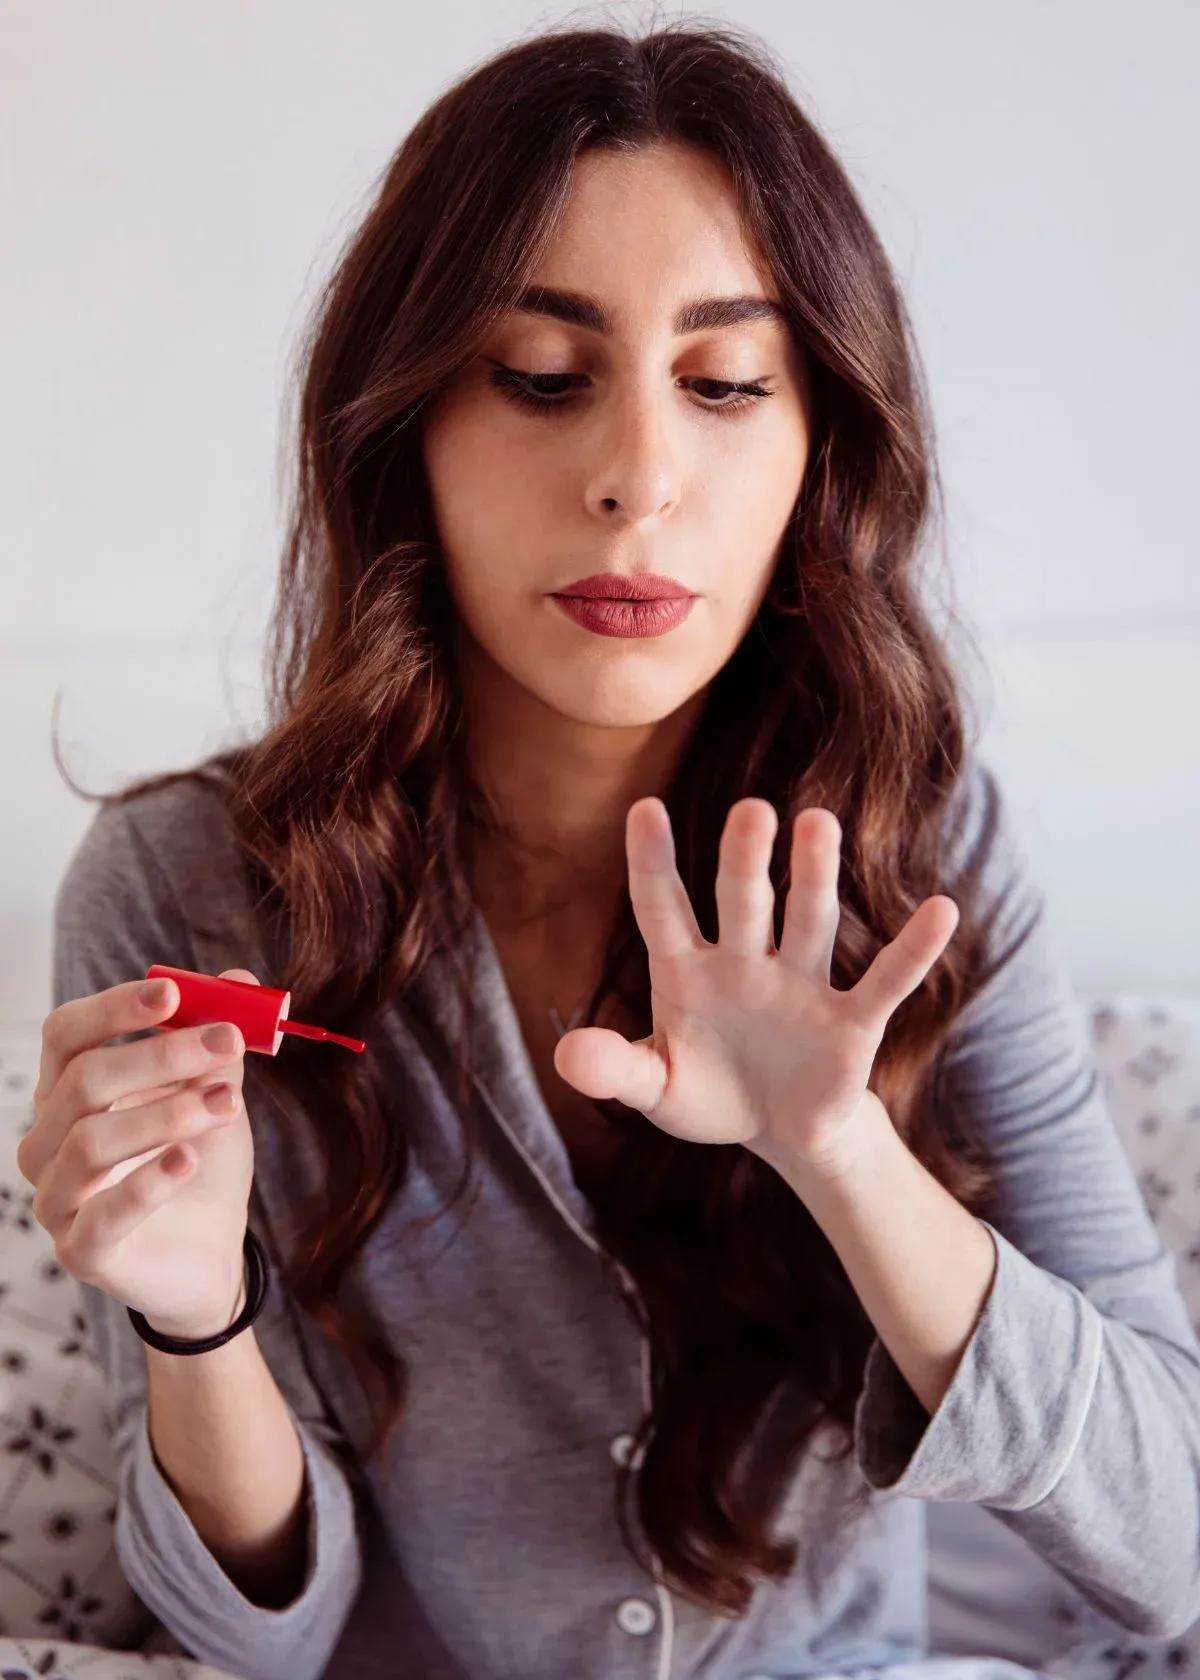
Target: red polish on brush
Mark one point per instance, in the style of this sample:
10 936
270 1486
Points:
259 1012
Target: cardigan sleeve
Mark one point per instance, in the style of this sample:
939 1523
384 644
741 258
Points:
114 914
1074 1412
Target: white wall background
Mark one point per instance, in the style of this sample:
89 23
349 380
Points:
177 178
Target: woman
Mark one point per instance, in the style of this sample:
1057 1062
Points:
562 1315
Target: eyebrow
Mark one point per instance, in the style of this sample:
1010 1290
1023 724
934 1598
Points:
698 315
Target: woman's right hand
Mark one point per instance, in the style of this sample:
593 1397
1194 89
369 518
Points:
144 1188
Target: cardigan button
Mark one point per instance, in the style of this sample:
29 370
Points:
634 1615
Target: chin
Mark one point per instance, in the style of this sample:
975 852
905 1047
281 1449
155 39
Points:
614 701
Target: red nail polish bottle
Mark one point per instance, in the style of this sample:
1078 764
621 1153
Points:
259 1012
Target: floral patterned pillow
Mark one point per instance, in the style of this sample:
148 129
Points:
59 1574
49 1659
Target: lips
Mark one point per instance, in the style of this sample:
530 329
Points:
626 619
613 586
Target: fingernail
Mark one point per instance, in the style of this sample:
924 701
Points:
221 1039
154 993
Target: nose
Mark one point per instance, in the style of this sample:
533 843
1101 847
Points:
636 471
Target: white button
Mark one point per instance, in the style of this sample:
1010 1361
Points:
634 1615
621 1448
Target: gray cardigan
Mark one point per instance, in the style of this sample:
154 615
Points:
1074 1413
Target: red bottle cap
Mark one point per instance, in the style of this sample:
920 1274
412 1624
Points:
259 1012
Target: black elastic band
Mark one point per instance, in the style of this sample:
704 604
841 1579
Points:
257 1284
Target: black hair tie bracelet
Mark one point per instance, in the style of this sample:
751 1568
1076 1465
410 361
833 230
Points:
257 1284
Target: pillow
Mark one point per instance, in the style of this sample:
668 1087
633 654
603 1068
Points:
59 1573
50 1659
1147 1051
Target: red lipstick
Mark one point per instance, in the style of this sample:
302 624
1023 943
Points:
612 604
616 586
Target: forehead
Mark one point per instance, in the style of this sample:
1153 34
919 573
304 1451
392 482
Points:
654 231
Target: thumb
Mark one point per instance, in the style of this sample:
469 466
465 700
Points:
239 974
601 1063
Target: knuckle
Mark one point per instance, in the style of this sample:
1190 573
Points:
72 1250
182 1108
37 1206
82 1080
24 1152
147 1189
52 1028
86 1140
181 1053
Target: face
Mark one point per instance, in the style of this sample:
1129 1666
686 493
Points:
640 457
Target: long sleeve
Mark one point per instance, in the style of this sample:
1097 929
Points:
1074 1412
114 915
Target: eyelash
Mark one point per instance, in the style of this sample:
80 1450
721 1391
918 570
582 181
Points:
513 386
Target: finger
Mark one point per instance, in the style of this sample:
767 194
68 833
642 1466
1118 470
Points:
659 898
812 912
82 1023
900 967
101 1149
115 1213
603 1065
96 1078
231 1073
744 893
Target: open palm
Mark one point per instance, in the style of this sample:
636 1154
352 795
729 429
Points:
751 1044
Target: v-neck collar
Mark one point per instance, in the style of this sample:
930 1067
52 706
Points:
502 1067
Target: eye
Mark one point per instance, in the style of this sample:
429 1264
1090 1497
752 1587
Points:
517 385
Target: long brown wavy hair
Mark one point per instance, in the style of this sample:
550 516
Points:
358 815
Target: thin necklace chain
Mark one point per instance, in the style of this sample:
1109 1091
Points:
556 1020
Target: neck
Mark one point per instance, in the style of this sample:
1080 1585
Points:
558 789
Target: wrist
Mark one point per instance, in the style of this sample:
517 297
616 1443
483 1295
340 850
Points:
864 1135
200 1329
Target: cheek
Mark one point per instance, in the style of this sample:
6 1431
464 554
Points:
471 480
750 493
759 471
488 515
487 476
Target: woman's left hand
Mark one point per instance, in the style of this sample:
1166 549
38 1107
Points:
751 1044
